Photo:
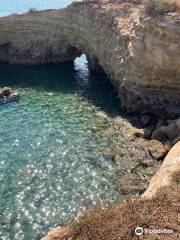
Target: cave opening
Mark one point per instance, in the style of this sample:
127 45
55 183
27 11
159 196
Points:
81 64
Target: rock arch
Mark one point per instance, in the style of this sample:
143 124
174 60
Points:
140 54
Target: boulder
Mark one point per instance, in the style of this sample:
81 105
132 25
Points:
168 146
5 92
171 131
167 133
158 135
160 123
8 95
133 133
147 133
102 114
157 149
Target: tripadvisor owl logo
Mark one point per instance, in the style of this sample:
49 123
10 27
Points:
139 231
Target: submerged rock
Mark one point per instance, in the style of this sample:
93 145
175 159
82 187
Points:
157 149
132 184
102 114
8 95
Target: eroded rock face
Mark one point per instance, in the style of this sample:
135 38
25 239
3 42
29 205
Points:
139 53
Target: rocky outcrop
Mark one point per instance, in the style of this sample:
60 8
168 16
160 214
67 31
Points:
167 131
8 95
157 149
140 54
167 175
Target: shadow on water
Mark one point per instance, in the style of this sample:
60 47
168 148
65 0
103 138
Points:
67 78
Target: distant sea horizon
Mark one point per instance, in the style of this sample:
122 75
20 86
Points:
18 6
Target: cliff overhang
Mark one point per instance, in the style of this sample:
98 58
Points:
139 53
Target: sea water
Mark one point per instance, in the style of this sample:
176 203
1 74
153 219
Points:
52 142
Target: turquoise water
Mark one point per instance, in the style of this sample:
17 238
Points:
20 6
52 144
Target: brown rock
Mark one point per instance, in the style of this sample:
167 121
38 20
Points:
160 123
158 135
131 184
176 140
110 131
133 133
156 149
147 133
102 114
6 92
168 146
146 162
8 95
167 175
166 133
170 131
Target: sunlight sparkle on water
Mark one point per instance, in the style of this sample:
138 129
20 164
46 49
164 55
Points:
52 142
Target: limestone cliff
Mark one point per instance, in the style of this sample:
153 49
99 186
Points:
139 53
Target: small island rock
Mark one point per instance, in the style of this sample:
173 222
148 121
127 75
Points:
8 95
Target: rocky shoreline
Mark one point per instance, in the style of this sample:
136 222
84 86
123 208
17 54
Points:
149 140
153 162
157 135
163 192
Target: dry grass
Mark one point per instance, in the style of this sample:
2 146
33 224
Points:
119 222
